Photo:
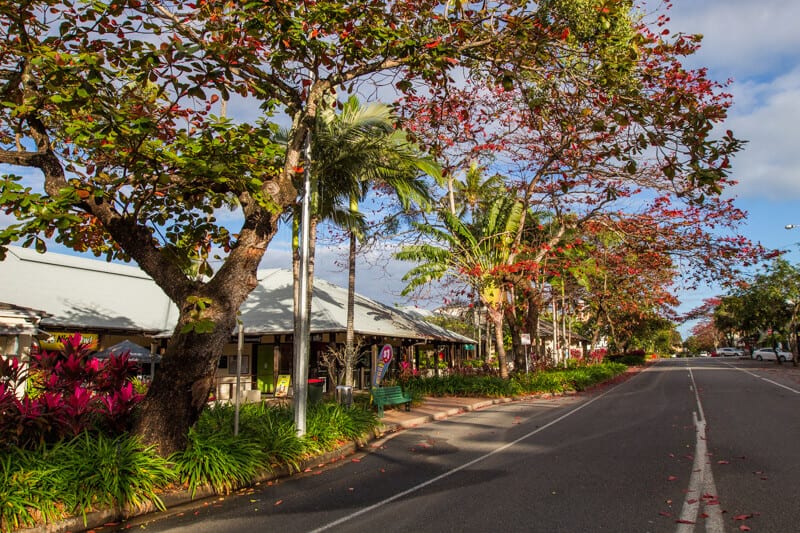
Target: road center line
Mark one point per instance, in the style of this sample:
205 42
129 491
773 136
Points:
701 489
449 473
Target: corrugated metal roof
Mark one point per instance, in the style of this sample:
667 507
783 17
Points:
87 293
78 292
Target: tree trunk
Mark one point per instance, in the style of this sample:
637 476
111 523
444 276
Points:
350 337
496 316
180 389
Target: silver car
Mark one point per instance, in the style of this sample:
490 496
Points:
770 354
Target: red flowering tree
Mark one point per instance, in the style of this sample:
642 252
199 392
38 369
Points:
635 152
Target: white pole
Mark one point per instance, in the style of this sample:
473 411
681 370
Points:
238 380
301 348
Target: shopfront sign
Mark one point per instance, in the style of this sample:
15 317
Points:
56 340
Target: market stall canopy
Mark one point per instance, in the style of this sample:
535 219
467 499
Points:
137 353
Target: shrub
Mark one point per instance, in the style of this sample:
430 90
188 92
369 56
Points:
218 459
68 393
99 471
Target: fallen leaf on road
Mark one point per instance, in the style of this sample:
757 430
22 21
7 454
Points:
742 516
664 513
356 460
683 522
278 502
723 462
744 528
672 478
692 501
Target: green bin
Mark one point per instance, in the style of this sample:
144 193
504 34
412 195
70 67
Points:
315 387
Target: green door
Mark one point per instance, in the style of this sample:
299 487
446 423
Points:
265 373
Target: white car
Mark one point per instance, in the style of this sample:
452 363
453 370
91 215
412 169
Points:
768 354
729 351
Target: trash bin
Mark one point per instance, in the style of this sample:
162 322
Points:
315 387
344 395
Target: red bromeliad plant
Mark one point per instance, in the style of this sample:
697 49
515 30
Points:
68 392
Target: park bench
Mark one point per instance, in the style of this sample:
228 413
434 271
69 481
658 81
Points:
392 395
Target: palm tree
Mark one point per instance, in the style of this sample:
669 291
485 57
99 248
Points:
474 192
351 151
475 253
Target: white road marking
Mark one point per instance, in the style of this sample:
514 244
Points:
781 385
702 490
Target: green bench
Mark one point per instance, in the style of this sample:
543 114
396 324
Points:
392 395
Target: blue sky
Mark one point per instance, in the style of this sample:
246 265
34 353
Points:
753 43
756 45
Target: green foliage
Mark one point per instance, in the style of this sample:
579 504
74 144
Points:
632 358
98 471
74 477
218 459
549 381
329 424
267 438
27 495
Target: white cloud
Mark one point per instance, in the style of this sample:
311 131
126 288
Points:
767 116
742 38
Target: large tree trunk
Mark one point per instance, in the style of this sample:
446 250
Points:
181 387
207 319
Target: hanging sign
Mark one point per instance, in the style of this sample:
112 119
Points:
384 359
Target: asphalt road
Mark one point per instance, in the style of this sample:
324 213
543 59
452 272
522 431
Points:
687 445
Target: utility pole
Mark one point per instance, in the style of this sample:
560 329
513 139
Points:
302 319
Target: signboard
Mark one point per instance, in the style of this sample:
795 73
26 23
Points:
282 386
56 340
525 339
384 359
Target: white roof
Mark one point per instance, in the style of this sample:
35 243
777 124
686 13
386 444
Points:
269 309
79 292
87 293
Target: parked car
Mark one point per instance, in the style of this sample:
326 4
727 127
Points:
769 354
729 351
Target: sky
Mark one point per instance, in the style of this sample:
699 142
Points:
754 44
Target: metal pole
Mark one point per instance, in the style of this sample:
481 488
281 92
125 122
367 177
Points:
238 380
153 350
302 327
527 361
